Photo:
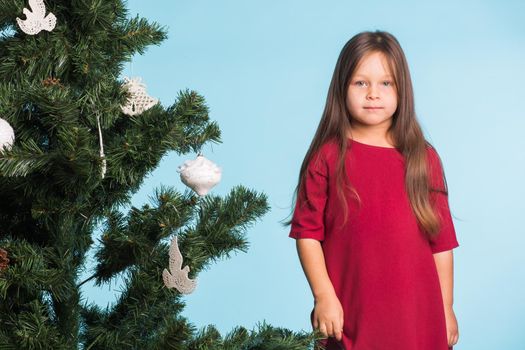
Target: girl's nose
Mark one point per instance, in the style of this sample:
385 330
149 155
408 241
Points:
372 92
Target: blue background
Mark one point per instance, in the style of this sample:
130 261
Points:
264 68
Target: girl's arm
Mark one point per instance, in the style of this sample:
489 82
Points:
327 315
312 260
445 268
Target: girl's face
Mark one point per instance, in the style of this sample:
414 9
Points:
372 96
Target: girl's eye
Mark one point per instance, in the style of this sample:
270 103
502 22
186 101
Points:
363 83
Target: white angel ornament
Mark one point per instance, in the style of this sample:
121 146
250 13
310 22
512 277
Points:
36 19
177 277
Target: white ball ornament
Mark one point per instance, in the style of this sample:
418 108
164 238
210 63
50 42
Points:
200 174
7 135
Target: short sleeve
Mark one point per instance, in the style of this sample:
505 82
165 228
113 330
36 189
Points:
308 216
446 238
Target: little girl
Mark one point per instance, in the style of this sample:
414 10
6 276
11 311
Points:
372 221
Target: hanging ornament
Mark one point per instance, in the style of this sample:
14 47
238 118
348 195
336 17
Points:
177 277
7 135
4 260
36 19
102 156
139 100
200 174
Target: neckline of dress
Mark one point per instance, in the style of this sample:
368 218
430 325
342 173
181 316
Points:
371 146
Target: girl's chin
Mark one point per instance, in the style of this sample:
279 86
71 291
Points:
371 121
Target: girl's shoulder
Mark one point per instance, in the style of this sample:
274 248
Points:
435 166
322 159
329 150
432 155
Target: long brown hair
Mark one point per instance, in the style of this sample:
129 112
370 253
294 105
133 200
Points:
404 130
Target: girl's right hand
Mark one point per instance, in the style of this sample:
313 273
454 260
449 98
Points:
328 316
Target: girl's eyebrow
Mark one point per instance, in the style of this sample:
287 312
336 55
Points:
364 76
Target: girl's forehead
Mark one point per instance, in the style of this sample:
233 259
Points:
375 63
361 75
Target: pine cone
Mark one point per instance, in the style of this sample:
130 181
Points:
52 82
4 260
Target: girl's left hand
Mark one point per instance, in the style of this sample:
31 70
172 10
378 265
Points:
452 326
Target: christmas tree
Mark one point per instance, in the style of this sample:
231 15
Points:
76 141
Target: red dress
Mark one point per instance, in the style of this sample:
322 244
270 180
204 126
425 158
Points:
380 263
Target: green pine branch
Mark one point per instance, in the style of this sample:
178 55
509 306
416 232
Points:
55 89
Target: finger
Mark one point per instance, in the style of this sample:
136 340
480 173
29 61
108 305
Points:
339 335
336 327
322 328
329 329
315 323
451 341
453 338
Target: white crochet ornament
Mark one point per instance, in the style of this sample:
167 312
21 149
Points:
200 174
7 135
139 100
36 19
177 277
